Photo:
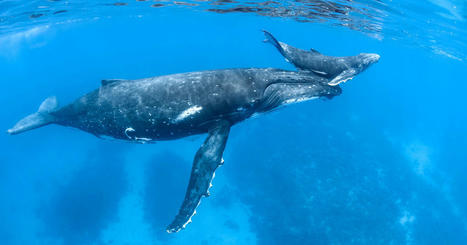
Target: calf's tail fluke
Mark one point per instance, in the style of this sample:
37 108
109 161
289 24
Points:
38 119
272 40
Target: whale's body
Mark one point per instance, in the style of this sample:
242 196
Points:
179 105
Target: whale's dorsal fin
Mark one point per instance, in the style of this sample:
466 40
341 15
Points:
207 159
314 51
110 81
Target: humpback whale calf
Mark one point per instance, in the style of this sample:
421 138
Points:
179 105
337 69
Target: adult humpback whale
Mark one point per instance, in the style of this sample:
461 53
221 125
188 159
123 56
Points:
175 106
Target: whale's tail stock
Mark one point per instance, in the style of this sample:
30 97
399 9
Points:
38 119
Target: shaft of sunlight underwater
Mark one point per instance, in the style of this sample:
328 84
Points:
385 162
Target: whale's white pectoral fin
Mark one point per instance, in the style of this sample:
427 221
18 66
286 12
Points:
207 159
343 77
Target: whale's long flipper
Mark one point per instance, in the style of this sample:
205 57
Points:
207 159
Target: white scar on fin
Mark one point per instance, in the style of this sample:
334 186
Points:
199 202
188 112
197 205
189 220
343 77
336 81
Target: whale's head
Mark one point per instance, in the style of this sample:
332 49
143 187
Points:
364 60
354 65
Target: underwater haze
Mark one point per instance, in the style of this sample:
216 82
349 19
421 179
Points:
385 162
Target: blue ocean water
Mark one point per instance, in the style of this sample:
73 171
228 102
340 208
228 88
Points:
385 162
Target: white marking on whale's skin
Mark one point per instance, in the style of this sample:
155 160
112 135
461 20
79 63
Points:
343 77
188 112
241 109
319 72
141 140
338 80
130 129
297 100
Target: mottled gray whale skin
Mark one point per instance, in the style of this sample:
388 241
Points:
337 69
175 106
179 105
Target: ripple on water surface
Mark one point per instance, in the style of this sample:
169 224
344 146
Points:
439 25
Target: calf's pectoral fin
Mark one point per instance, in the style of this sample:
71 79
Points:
343 77
207 159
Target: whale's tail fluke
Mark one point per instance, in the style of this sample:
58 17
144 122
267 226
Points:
38 119
269 38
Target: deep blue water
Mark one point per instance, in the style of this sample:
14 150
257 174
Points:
383 163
